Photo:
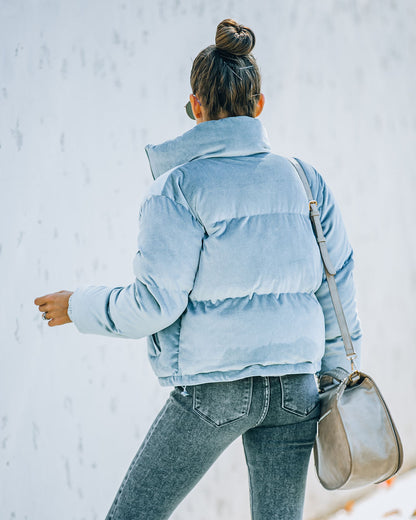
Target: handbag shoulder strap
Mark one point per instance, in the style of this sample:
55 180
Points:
329 269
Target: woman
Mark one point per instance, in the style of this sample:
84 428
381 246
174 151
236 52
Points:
230 291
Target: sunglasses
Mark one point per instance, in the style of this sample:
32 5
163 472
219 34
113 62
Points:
188 108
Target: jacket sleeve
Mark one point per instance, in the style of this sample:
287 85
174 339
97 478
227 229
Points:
341 255
165 265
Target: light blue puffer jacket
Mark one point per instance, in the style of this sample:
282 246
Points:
229 281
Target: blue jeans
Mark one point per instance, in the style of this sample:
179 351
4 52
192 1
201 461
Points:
276 417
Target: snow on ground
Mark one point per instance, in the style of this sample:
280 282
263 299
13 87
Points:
395 500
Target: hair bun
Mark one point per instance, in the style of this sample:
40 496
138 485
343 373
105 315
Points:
234 38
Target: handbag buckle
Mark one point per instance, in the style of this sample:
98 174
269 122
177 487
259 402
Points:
354 368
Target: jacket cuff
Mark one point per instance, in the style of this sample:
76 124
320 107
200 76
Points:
87 310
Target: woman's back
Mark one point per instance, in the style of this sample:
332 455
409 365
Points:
252 308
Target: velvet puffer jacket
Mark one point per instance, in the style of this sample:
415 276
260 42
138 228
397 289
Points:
229 282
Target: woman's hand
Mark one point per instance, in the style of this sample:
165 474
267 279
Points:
54 307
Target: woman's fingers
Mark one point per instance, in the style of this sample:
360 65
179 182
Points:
41 300
52 297
58 321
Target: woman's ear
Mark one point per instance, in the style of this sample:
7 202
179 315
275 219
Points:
196 108
260 105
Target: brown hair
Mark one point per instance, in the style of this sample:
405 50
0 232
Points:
225 76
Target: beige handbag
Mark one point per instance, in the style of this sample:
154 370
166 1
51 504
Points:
357 442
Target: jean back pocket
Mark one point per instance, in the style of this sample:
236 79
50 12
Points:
223 403
299 394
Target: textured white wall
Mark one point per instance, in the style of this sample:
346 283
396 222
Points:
83 87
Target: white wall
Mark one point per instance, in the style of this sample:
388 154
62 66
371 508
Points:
84 86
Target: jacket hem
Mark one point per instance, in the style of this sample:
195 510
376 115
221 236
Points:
251 371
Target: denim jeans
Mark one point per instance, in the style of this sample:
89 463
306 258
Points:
276 417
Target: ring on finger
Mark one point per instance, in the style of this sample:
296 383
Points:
44 316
